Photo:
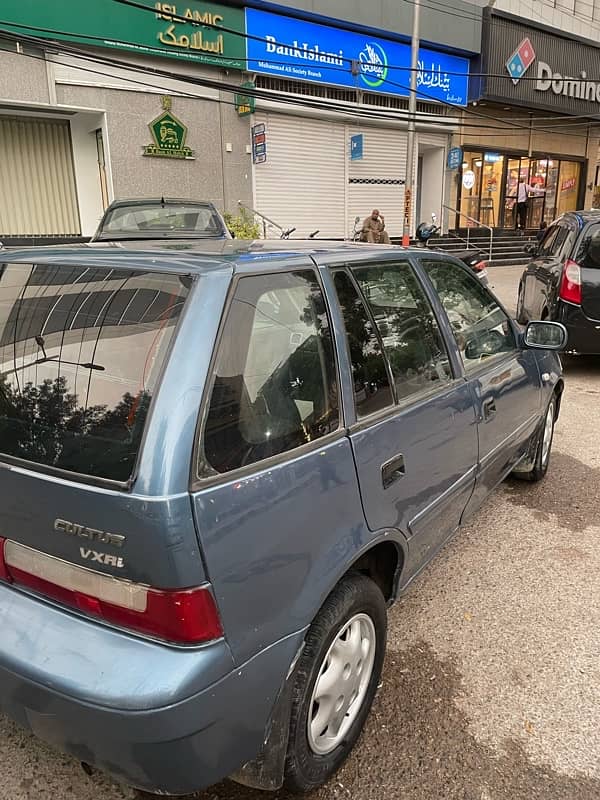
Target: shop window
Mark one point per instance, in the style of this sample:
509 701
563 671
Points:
568 186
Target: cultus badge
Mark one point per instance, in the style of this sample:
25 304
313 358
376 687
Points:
83 532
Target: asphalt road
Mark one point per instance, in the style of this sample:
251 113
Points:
491 689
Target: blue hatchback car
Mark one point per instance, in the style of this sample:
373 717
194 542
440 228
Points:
219 464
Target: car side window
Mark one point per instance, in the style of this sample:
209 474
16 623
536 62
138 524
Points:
274 385
583 256
547 245
407 326
372 389
554 243
559 242
481 328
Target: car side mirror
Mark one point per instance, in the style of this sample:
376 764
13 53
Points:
231 233
546 336
532 249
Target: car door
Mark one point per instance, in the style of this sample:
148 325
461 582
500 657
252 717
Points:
412 425
542 275
504 379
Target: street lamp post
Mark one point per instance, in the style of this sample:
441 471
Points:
412 110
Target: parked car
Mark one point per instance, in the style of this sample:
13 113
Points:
562 281
218 470
160 218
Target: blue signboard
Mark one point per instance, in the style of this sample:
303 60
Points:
455 157
299 50
356 147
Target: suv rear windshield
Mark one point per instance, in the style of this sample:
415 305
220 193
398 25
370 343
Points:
154 220
80 355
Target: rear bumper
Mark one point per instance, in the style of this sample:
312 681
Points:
584 333
116 702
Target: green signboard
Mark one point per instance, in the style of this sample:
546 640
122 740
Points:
169 134
245 104
156 29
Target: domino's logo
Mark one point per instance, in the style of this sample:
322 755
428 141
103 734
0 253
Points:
520 61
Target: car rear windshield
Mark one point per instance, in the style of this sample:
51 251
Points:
153 220
81 350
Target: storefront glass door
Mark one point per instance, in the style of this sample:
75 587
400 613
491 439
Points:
489 209
470 189
517 170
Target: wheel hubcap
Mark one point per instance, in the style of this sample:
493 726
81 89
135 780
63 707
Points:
547 440
342 684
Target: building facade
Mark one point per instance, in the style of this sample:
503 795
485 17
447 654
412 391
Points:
80 93
531 119
85 97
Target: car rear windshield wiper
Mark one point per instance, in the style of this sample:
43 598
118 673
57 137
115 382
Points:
47 359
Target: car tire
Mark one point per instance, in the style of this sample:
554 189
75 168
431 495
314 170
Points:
342 659
520 310
544 437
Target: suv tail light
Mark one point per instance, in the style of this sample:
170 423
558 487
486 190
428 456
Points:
570 283
480 266
187 616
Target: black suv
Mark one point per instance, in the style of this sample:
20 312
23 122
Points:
562 282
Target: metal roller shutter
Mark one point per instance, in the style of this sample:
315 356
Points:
37 180
301 184
375 180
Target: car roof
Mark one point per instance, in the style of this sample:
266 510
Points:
582 217
198 255
158 201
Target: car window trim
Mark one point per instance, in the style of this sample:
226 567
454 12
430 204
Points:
197 481
405 404
495 360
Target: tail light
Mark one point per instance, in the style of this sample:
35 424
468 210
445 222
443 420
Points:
187 616
570 283
480 266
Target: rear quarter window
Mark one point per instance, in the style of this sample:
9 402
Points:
81 350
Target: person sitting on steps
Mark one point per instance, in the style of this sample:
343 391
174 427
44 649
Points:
373 229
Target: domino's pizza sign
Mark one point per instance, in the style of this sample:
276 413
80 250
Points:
520 61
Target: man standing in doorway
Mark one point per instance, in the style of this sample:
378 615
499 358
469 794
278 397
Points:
523 191
373 229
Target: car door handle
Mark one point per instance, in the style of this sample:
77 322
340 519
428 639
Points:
393 470
489 408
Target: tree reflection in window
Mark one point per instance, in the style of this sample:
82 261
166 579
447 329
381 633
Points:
81 351
372 391
407 325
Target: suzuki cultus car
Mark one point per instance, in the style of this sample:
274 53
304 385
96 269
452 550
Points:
218 471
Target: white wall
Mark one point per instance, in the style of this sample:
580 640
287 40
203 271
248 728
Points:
87 176
579 17
432 183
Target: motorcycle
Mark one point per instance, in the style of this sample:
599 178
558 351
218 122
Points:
474 259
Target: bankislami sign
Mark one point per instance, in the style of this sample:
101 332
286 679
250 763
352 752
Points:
538 69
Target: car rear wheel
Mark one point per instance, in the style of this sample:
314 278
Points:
545 436
336 681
